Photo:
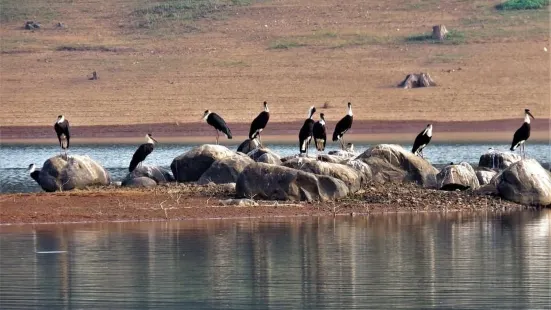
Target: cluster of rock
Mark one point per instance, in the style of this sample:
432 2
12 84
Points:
259 173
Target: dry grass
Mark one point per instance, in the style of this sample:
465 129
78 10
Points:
291 53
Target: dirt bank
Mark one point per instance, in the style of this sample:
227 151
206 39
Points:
181 201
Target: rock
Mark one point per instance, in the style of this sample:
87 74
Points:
361 168
158 175
225 170
31 25
332 159
460 177
439 32
139 182
498 159
264 181
243 202
269 158
189 167
415 80
342 154
392 163
259 152
525 182
247 146
351 177
485 176
76 171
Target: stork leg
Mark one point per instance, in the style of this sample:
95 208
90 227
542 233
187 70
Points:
259 140
217 135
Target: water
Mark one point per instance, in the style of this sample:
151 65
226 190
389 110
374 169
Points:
396 261
14 159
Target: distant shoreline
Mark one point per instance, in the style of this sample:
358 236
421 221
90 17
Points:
362 131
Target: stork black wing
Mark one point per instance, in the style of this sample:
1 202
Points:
140 155
320 136
62 128
342 127
420 142
258 123
218 122
522 134
305 132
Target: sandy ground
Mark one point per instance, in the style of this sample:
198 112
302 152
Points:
178 202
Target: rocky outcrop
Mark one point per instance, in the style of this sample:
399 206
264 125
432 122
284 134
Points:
392 163
247 146
225 170
497 159
271 182
265 155
525 182
485 175
351 177
61 173
453 177
189 167
155 174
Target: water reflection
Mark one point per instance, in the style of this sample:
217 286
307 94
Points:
388 261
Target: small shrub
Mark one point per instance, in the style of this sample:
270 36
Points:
522 5
453 37
284 45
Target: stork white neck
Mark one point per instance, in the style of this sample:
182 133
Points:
266 108
428 131
32 168
61 120
350 110
310 112
149 140
322 121
526 118
206 115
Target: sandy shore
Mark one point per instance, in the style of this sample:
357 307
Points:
363 131
184 201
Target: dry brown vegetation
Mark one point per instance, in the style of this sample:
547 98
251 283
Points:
232 56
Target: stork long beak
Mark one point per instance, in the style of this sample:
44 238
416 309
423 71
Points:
532 116
154 140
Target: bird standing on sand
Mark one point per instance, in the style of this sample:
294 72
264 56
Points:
522 134
142 152
218 123
306 132
61 128
320 134
259 123
422 140
343 126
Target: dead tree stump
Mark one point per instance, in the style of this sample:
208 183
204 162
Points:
439 32
415 80
94 76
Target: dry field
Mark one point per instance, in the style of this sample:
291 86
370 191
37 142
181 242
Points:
170 68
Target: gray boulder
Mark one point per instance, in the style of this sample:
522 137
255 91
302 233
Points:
247 146
460 176
259 152
332 159
264 181
269 158
361 168
497 159
525 182
485 176
139 182
158 175
189 167
61 173
225 170
392 163
342 153
351 177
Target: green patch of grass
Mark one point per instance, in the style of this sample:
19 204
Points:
445 58
23 10
511 5
94 48
360 39
454 37
284 45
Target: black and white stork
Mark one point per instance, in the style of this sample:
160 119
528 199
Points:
259 123
306 132
422 140
218 123
142 152
34 172
522 134
61 128
343 126
320 134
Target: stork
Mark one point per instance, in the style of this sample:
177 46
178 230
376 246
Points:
218 123
61 128
142 152
259 123
422 140
306 132
343 126
320 134
522 134
34 172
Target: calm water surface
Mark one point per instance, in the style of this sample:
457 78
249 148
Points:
14 159
399 261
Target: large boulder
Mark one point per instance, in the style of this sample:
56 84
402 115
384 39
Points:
352 178
264 181
61 173
158 175
269 158
258 153
361 168
460 176
189 167
391 162
247 146
525 182
485 175
497 159
225 170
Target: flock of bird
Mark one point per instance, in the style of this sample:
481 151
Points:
311 129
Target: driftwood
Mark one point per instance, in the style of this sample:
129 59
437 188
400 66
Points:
439 32
417 80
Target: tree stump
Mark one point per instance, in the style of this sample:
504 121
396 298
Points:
439 32
94 76
415 80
